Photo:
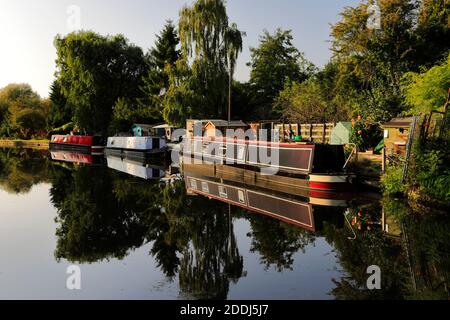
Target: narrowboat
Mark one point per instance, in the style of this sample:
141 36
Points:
136 147
136 168
315 166
89 144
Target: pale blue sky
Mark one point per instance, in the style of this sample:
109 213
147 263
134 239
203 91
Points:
28 27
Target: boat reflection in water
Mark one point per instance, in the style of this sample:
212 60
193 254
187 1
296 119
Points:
76 157
305 208
136 168
144 169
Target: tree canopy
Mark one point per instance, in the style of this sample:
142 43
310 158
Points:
22 112
275 62
94 71
199 81
428 90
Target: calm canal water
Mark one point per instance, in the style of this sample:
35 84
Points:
140 238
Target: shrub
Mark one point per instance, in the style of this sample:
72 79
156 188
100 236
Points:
391 181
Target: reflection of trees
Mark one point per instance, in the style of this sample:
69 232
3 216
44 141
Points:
426 241
277 242
212 259
104 215
370 247
195 236
413 265
94 224
21 169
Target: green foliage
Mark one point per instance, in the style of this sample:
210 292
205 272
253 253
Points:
433 30
391 181
94 72
427 91
199 81
431 169
22 112
30 121
125 114
60 112
371 62
366 134
156 82
303 102
275 62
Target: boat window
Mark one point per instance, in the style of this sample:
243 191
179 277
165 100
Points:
193 184
205 187
241 153
241 196
223 192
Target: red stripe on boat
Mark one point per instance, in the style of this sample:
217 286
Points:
328 186
73 140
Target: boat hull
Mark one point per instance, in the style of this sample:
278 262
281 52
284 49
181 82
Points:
317 167
89 144
142 144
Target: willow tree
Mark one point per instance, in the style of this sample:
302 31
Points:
209 46
233 37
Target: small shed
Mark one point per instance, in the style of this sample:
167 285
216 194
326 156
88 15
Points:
141 130
396 135
341 133
212 126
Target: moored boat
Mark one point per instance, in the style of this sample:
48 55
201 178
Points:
83 143
315 166
136 147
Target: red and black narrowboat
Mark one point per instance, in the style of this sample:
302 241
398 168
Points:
90 144
318 166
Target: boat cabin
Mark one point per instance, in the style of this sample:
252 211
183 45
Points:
141 130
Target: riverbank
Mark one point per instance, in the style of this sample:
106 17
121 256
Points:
25 144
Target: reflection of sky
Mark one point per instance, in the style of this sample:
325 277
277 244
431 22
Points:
28 269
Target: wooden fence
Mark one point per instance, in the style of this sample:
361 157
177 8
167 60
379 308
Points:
310 132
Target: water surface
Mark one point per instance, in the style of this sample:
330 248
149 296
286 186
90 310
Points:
147 235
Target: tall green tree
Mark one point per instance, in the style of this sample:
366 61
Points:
22 111
275 62
433 31
199 84
60 111
372 61
94 72
233 38
156 82
303 103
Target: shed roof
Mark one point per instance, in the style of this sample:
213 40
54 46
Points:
223 123
398 123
